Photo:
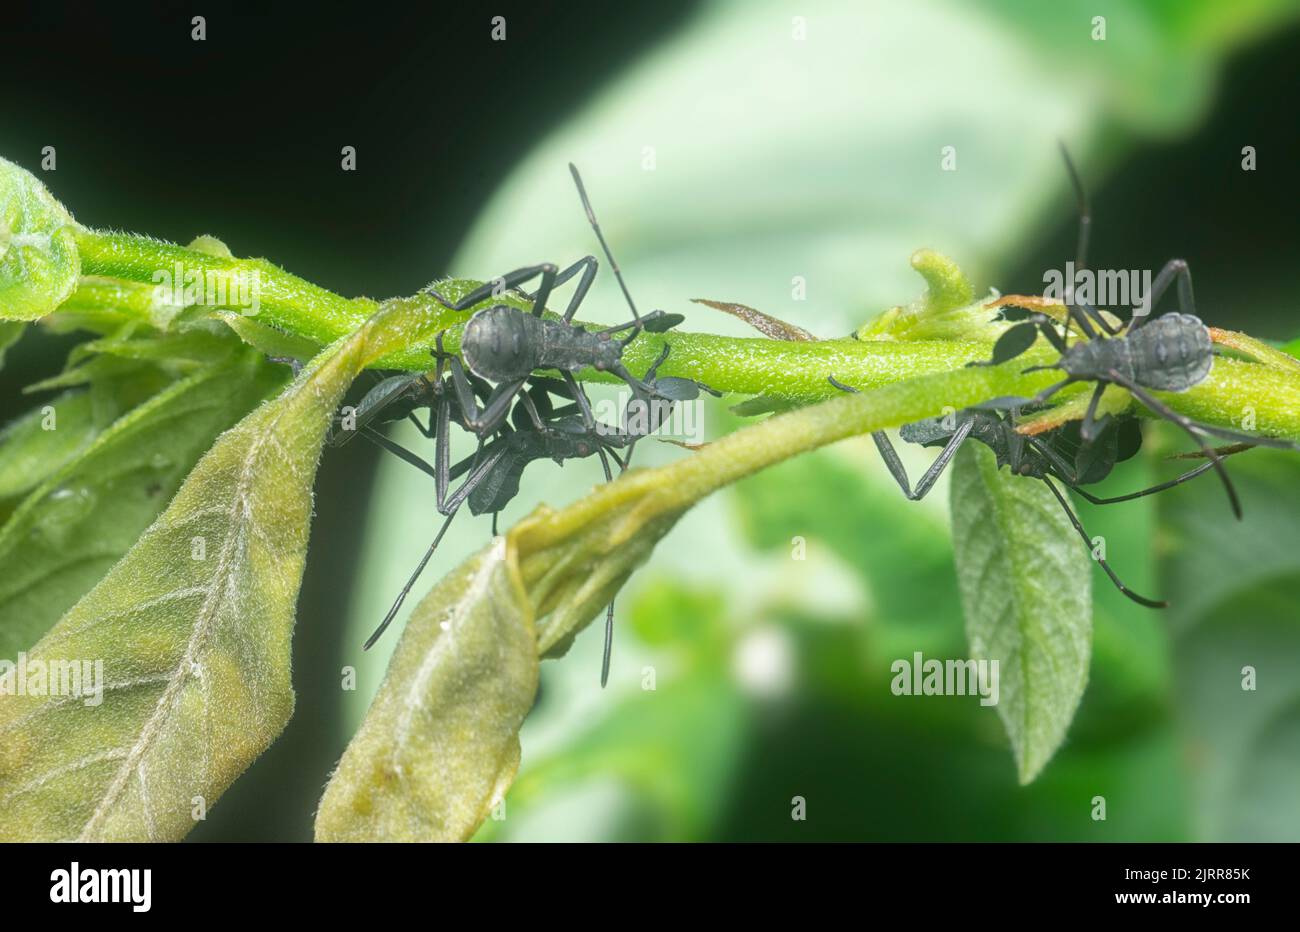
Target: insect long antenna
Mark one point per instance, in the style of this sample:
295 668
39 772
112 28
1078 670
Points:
397 606
1085 209
1087 541
591 218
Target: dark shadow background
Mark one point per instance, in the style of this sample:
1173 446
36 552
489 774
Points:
239 136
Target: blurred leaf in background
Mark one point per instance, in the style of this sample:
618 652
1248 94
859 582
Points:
1236 647
793 163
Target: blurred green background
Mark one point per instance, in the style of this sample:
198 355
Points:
730 148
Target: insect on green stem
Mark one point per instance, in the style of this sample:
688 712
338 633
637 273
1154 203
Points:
792 371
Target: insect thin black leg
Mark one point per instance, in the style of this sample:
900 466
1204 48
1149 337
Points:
494 411
622 463
892 462
406 590
1185 477
398 450
1087 541
584 403
895 465
633 382
608 650
591 218
1047 327
1190 427
532 408
1091 427
1050 391
653 371
1274 443
1062 469
1096 316
1173 270
883 446
426 431
543 292
1079 317
589 266
941 462
451 506
504 283
442 448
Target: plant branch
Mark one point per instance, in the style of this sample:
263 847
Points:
790 371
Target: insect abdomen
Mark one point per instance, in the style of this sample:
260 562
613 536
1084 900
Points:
498 344
1172 353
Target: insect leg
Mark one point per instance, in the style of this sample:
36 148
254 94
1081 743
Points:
622 463
1091 427
633 382
588 265
608 650
1084 320
1063 470
1095 316
533 407
941 462
653 371
397 605
892 462
895 465
1173 270
449 508
1050 391
1087 541
1273 443
504 283
883 446
485 420
398 450
1190 427
931 475
1191 474
584 403
442 448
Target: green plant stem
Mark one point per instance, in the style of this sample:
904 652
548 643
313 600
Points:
735 365
671 489
288 302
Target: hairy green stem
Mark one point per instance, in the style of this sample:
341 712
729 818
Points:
1236 392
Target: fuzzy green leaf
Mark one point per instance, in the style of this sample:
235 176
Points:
440 744
84 514
193 629
38 256
30 450
1025 582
